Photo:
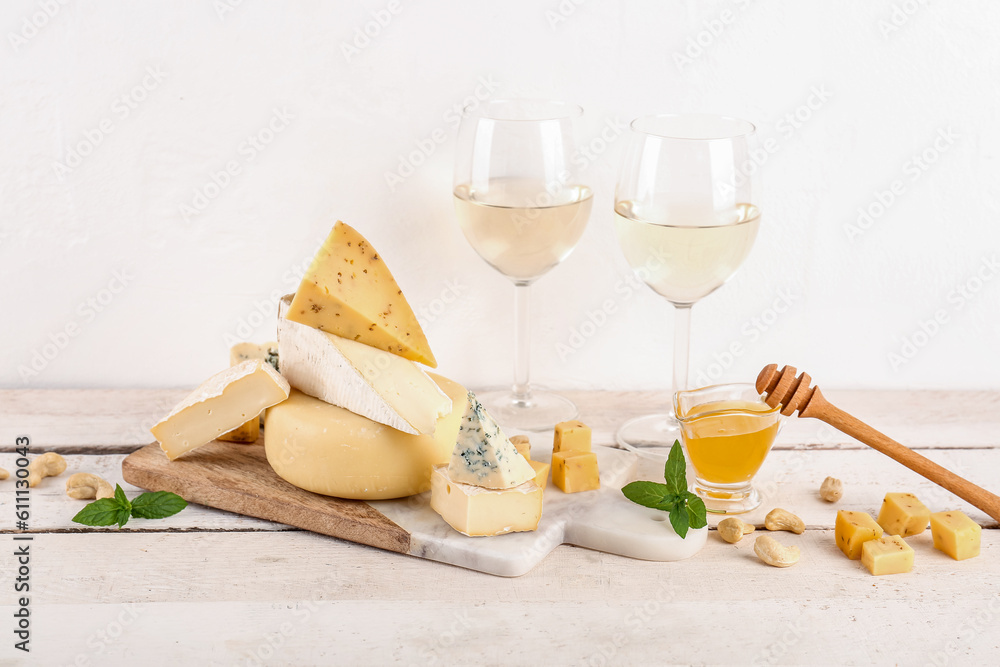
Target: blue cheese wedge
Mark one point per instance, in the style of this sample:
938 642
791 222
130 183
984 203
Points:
483 455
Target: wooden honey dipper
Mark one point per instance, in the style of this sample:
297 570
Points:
794 393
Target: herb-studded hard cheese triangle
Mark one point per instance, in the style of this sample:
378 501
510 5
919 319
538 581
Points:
348 291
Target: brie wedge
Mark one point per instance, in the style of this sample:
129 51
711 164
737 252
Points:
365 380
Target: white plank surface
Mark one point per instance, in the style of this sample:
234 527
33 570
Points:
209 587
294 599
119 419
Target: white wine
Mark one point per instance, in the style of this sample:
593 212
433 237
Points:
519 228
689 254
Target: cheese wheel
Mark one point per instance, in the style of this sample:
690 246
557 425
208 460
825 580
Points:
329 450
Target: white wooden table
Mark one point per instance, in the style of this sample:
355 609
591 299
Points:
208 587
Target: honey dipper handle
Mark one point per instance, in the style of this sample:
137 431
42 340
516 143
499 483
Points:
825 411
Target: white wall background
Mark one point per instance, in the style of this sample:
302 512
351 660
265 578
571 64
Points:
893 76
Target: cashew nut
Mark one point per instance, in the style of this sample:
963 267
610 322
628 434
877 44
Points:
4 474
773 552
779 519
831 490
732 529
48 464
86 486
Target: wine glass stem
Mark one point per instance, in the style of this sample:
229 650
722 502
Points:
522 347
682 345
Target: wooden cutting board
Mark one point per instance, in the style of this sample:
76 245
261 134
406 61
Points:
237 478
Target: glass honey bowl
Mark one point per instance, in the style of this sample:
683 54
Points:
727 431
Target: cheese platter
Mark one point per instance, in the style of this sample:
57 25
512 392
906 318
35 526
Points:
337 429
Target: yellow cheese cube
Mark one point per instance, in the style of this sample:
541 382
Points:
541 473
571 436
522 445
249 432
853 529
476 511
955 534
573 472
902 514
888 554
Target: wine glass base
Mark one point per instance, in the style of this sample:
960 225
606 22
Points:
650 436
721 500
540 413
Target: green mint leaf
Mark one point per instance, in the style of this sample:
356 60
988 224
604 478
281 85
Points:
121 499
669 503
103 512
675 471
158 505
686 509
647 494
123 514
679 521
697 512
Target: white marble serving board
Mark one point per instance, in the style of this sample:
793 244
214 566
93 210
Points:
603 520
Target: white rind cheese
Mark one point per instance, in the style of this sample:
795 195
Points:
483 455
326 449
477 512
223 402
365 380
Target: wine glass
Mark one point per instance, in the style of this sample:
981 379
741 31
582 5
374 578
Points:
686 216
521 206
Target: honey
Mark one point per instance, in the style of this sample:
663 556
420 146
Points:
729 443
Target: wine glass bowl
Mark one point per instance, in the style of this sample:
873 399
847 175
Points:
522 208
686 217
520 231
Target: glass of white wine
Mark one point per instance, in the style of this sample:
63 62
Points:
686 215
521 206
